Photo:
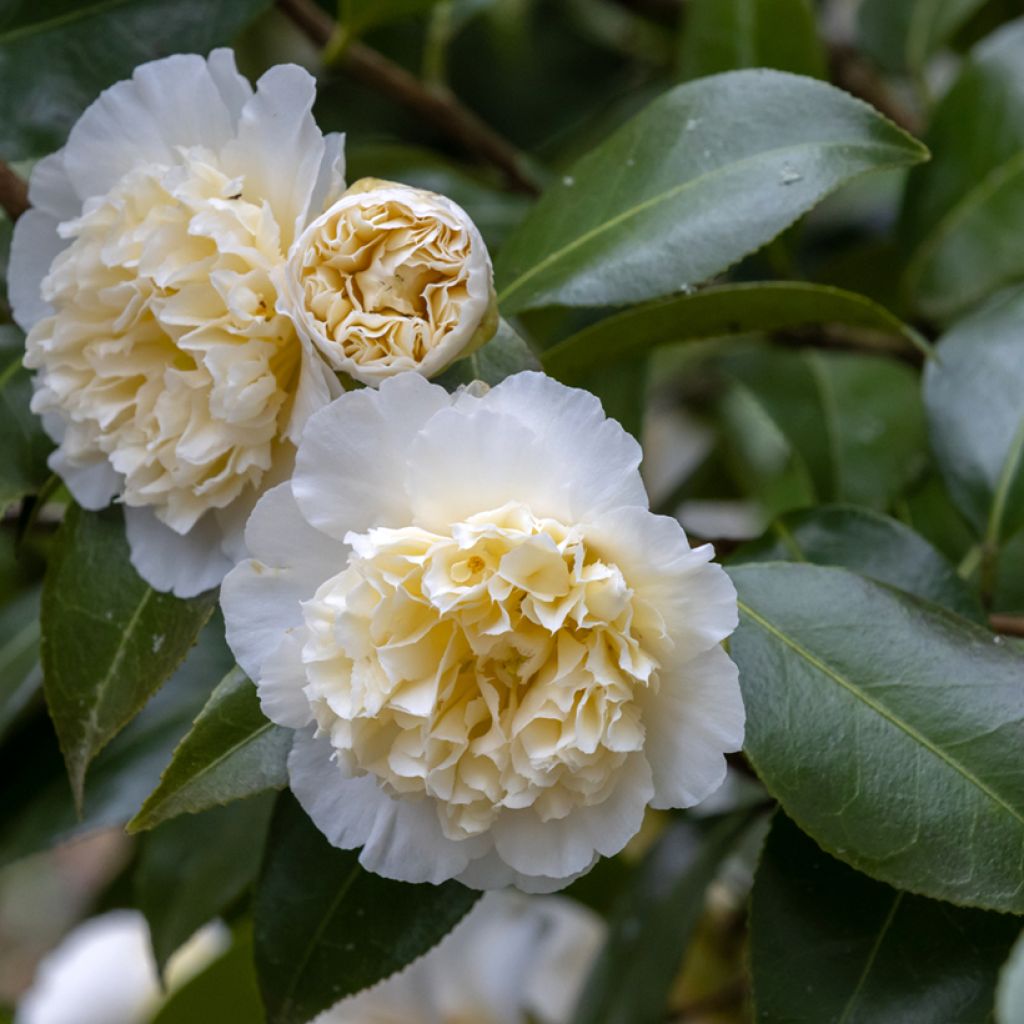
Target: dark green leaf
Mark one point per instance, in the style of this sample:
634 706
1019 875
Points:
194 867
1010 991
972 394
231 752
57 55
653 921
25 446
963 211
36 806
506 353
326 929
717 312
902 34
709 172
889 729
109 639
831 946
359 16
856 421
21 677
723 35
223 993
870 544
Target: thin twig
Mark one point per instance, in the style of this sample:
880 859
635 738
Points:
13 192
434 103
1008 625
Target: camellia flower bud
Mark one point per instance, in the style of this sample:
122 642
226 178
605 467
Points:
391 278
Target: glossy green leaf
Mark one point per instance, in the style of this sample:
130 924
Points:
36 805
717 312
855 421
193 868
889 729
706 174
506 353
962 212
57 55
870 544
325 928
902 34
109 639
653 921
1010 990
723 35
25 446
231 752
972 396
832 946
224 992
21 676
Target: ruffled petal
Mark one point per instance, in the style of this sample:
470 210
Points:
93 486
350 469
165 104
185 565
695 718
234 88
34 247
279 148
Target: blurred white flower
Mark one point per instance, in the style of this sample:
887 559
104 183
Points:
514 959
143 275
104 973
493 654
391 278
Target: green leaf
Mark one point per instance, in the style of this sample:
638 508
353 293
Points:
831 946
36 806
231 752
856 421
193 868
23 454
1010 990
723 35
326 929
223 992
653 921
21 677
889 729
506 353
109 639
709 172
57 55
962 213
972 395
717 312
902 34
492 210
870 544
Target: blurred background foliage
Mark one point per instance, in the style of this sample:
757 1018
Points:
759 399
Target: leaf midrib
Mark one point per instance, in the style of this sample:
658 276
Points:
872 957
676 190
880 709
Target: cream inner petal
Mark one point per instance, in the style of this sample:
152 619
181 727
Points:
165 352
386 283
498 666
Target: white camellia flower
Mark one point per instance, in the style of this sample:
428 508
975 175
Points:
493 654
143 275
104 972
391 278
513 960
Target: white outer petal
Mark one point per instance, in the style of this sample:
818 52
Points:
696 717
350 468
185 565
34 247
278 147
94 485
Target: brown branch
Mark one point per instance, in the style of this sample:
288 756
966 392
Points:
13 192
435 104
1008 625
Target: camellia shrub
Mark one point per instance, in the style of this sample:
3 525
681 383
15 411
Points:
513 511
